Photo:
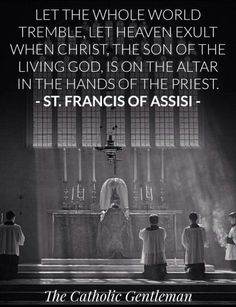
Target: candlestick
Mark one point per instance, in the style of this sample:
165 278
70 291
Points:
148 165
135 164
146 191
79 165
78 190
65 197
151 195
94 165
94 191
65 165
135 193
72 193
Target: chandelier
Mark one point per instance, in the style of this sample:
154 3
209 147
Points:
111 152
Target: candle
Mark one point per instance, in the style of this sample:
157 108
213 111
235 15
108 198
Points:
1 218
65 165
162 165
79 165
78 190
83 194
146 189
94 164
148 165
141 193
151 195
135 164
72 193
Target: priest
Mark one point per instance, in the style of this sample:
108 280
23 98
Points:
11 237
115 237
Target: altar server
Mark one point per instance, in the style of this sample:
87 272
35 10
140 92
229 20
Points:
11 237
230 254
153 252
194 241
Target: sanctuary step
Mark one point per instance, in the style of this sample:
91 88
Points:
97 268
73 261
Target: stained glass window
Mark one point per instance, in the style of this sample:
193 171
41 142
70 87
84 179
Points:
65 126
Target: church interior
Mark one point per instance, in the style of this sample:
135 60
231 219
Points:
56 165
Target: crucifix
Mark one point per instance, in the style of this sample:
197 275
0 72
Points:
111 152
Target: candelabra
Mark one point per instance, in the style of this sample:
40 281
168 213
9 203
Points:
137 195
94 195
65 203
94 192
162 198
79 196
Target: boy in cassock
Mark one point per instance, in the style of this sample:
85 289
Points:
153 252
194 241
11 237
230 254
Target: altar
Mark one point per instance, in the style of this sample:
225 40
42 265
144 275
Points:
73 233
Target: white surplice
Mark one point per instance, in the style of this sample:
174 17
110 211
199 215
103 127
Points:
153 251
230 253
11 237
194 241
